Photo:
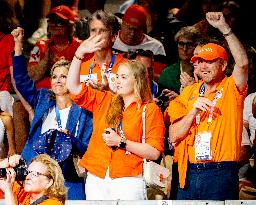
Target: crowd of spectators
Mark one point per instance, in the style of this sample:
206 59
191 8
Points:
70 82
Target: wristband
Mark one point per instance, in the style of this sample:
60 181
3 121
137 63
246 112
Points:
77 57
228 34
122 143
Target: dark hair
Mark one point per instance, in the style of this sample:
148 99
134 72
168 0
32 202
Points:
8 21
188 32
139 52
108 19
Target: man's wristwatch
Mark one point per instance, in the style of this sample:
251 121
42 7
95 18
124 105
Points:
122 143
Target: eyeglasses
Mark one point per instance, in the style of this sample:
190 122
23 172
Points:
35 174
188 45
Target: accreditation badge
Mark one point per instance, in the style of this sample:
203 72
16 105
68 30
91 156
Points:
84 78
203 146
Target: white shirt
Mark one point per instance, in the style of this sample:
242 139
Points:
248 116
50 121
148 43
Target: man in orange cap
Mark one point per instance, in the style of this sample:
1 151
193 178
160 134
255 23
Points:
207 121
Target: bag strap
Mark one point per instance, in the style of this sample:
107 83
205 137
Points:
144 132
38 201
144 124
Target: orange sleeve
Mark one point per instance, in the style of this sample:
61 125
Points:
89 98
240 95
19 194
176 110
155 128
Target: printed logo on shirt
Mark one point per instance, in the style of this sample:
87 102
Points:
35 55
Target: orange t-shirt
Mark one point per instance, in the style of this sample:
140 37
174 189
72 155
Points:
99 157
98 70
226 127
24 197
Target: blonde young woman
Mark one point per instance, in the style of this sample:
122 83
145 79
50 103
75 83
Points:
43 185
114 158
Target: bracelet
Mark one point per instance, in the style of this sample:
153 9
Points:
77 57
228 34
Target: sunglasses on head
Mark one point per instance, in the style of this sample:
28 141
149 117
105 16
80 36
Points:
140 52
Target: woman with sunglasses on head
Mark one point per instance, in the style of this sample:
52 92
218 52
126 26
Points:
43 184
59 128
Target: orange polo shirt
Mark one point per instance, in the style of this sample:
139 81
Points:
99 157
226 127
24 197
96 68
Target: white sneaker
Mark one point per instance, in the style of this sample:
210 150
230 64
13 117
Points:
40 33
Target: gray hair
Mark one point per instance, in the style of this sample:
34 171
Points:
108 19
189 32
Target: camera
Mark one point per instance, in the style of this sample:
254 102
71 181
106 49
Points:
162 101
20 170
114 148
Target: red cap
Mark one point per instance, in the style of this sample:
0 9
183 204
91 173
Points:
63 12
211 51
135 15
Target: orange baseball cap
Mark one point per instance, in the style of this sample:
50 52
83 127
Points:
135 15
63 12
211 51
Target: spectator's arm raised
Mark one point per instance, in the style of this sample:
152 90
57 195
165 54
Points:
240 72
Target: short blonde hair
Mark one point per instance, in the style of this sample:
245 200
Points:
61 63
57 190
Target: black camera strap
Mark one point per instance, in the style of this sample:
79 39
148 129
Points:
38 201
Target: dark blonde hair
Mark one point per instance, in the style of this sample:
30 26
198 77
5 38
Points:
108 19
188 32
57 190
142 92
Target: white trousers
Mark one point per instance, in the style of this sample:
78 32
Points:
124 188
6 102
2 131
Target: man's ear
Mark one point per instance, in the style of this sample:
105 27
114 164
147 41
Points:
224 65
113 38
